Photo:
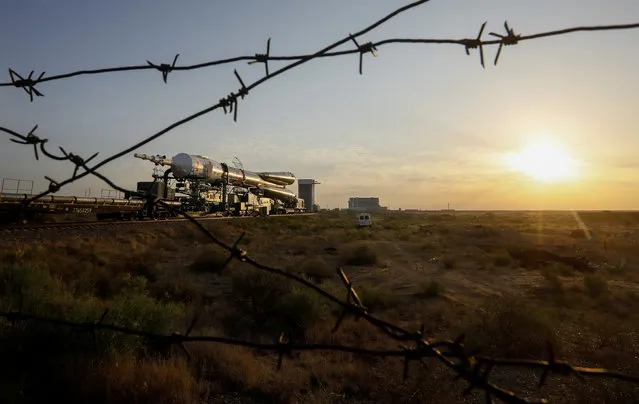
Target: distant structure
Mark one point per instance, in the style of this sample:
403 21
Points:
16 186
364 204
448 209
306 191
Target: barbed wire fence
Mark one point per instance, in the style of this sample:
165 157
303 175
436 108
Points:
468 365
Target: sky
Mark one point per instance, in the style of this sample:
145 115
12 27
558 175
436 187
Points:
424 125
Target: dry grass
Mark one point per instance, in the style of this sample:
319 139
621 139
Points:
451 272
596 285
210 259
125 379
361 254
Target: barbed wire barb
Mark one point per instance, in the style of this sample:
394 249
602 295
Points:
263 57
362 49
476 43
54 186
28 84
29 139
506 40
165 68
77 160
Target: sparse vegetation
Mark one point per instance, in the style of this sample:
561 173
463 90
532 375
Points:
551 275
125 379
430 289
502 259
211 259
596 285
317 269
449 262
376 297
152 284
510 328
361 254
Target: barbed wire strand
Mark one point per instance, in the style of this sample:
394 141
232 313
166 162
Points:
474 369
265 58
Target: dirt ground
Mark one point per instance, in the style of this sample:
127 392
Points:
511 281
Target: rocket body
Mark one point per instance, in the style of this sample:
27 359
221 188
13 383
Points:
195 167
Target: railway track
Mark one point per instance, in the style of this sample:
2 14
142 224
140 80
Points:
30 228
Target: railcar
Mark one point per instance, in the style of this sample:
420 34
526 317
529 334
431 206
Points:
19 208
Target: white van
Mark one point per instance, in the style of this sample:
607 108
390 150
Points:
364 219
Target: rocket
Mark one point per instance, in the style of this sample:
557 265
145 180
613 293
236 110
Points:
186 166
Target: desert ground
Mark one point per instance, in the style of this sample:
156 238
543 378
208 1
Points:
511 281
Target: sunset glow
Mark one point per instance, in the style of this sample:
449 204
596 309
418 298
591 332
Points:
545 161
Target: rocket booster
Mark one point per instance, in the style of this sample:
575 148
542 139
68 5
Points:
196 167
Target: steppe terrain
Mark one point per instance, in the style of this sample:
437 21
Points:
511 281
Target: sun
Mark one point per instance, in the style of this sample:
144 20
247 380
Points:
545 161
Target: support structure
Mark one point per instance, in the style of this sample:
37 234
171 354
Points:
306 191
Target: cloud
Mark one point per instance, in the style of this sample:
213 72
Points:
405 178
469 176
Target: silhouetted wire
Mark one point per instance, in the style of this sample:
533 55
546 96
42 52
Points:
261 58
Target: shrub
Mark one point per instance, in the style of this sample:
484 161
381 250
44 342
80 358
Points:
449 262
61 355
210 260
566 270
264 305
430 289
131 380
256 297
177 290
141 265
428 246
509 328
596 285
362 254
502 260
12 256
301 308
262 289
30 285
552 279
374 297
134 308
317 269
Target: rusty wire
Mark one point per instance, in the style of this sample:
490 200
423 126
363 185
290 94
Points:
469 366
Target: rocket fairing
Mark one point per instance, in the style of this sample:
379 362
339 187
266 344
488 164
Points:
196 167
